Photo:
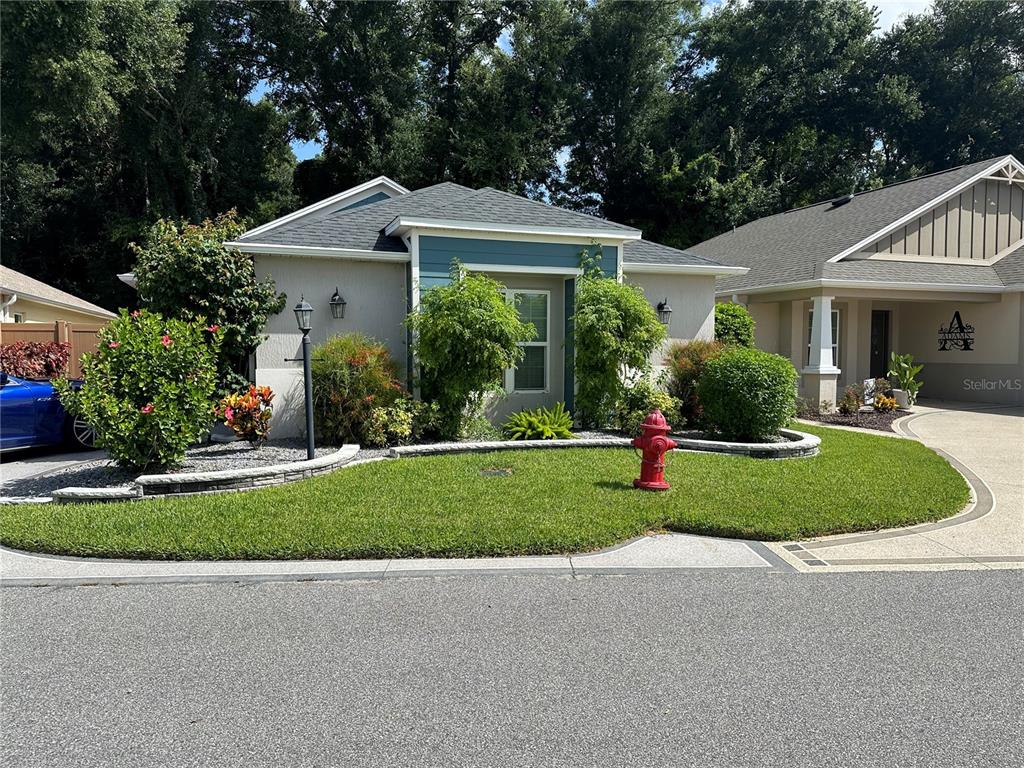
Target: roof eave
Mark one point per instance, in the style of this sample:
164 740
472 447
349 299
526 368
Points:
274 249
864 284
718 270
401 225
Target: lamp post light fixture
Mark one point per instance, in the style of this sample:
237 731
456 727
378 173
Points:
337 305
664 311
304 318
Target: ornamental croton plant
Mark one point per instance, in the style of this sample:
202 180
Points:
248 413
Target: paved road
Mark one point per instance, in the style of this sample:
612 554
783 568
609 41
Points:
716 668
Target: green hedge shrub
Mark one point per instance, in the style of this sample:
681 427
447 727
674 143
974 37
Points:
467 335
734 325
540 424
352 375
616 331
685 362
148 388
747 394
639 400
404 421
185 269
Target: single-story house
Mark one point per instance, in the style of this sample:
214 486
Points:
24 299
932 266
379 246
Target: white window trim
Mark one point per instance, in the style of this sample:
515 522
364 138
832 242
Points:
835 337
510 373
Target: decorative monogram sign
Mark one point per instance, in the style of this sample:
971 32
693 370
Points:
956 335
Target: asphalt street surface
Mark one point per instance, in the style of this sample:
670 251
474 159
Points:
716 668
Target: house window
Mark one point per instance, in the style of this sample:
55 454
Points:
835 336
531 375
19 317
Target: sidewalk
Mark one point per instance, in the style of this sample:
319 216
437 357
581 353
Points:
657 553
987 446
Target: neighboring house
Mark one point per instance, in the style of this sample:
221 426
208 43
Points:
933 266
381 245
24 299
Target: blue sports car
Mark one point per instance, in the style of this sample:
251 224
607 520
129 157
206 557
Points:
31 415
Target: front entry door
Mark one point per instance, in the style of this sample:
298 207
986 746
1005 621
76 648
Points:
879 343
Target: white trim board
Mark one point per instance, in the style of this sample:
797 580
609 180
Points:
684 269
401 223
271 249
885 285
999 164
382 181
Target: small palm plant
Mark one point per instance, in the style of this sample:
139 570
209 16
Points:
541 424
903 371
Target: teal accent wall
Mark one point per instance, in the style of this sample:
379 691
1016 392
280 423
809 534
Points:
374 198
436 254
569 346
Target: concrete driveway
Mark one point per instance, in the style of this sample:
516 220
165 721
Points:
987 446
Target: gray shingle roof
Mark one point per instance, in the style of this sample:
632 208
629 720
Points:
1010 268
646 252
12 281
911 272
492 206
361 228
796 245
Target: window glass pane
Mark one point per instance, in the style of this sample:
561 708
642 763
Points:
533 308
530 371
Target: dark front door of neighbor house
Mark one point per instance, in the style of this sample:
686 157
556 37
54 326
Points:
879 343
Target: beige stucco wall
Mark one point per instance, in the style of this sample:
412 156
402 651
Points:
766 325
692 298
36 312
376 296
992 372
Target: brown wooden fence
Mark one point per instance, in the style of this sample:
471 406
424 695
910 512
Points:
82 336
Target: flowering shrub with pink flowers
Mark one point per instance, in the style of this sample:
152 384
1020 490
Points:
248 413
148 388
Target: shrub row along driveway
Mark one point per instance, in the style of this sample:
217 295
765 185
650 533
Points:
567 501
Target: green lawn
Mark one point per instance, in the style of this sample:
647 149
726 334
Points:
555 501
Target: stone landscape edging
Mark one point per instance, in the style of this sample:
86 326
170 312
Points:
192 483
799 445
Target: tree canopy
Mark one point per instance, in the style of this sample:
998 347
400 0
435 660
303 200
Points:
673 116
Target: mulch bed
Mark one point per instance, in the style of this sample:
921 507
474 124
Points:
877 420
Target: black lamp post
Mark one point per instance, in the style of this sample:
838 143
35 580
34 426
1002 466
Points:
304 317
664 311
337 305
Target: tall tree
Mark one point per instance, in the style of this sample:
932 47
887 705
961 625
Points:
622 65
117 113
789 83
345 73
965 65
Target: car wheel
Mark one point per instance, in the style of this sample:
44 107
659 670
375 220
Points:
81 432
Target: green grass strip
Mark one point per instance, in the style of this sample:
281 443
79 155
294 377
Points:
571 500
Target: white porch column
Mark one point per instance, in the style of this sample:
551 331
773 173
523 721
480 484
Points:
821 374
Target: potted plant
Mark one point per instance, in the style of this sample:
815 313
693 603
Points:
904 373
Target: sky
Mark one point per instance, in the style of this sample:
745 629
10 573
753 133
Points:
889 13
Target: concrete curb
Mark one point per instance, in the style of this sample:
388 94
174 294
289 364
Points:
640 555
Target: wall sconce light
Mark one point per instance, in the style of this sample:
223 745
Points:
337 305
664 311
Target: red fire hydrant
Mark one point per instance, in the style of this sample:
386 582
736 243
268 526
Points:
654 443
